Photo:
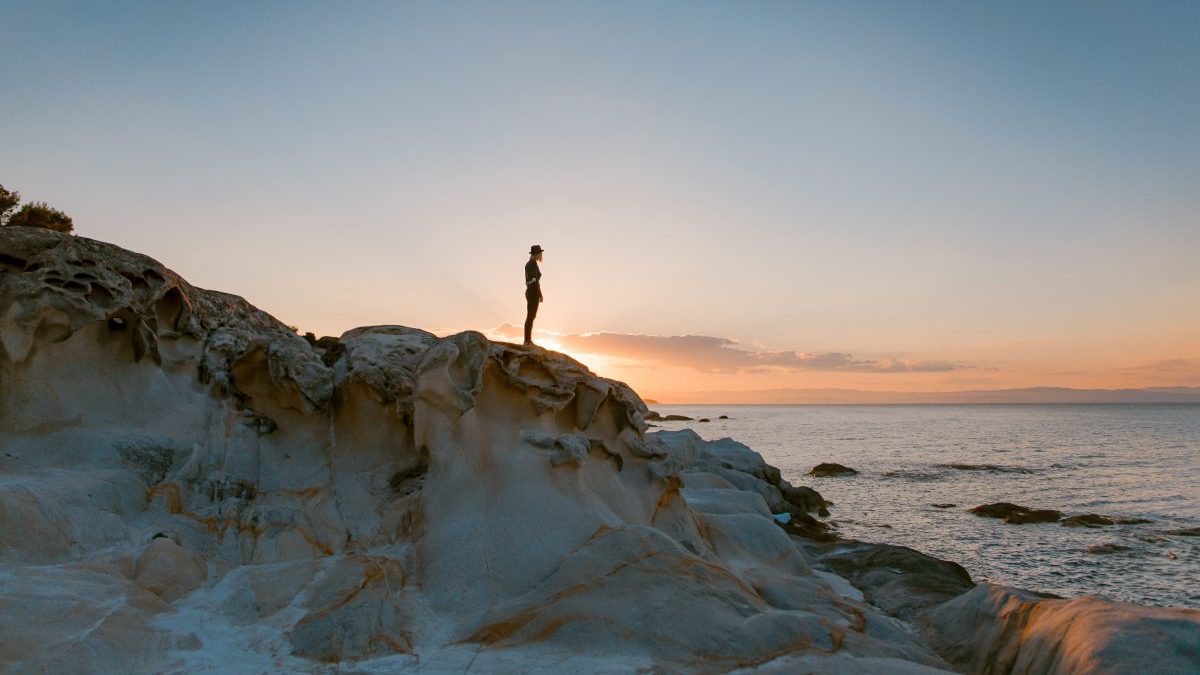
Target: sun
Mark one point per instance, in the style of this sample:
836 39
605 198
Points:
594 362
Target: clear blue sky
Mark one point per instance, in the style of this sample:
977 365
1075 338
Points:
1013 186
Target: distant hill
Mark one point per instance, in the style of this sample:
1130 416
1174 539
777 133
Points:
1025 395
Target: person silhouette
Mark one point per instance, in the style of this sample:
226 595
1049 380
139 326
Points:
533 290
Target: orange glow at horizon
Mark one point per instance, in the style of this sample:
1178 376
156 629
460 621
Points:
653 378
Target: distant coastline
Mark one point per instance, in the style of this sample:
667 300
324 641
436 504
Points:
859 397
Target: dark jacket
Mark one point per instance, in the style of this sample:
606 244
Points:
533 280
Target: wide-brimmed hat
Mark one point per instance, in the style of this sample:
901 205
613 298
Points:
535 249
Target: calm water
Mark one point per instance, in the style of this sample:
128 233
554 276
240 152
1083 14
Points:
1119 460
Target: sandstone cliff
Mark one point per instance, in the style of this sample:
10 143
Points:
186 484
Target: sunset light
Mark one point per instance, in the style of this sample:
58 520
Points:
595 336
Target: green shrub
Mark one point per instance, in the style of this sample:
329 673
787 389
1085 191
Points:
41 214
8 202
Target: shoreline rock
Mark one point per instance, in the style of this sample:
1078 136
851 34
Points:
899 580
995 629
198 483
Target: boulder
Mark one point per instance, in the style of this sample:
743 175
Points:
168 570
805 499
1014 514
897 579
829 469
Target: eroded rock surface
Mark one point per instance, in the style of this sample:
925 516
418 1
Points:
187 483
994 629
899 580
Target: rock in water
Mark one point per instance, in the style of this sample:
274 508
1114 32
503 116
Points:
829 469
389 497
1096 520
1014 514
1105 549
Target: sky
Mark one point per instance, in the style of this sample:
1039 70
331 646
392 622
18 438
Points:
901 196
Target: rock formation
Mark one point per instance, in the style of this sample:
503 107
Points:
188 485
831 469
1096 520
1015 514
994 629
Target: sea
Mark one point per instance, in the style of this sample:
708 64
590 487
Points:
1124 460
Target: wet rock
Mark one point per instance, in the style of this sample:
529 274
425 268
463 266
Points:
652 416
1096 520
946 505
1185 532
1105 549
829 469
1015 514
723 417
993 468
1034 516
804 525
806 499
676 418
703 419
897 579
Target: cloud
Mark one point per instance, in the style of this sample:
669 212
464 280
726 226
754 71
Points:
722 355
1182 365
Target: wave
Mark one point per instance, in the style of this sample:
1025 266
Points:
987 467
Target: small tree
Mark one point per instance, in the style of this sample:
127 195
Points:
8 202
41 214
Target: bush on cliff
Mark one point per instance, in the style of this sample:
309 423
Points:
32 214
41 214
8 202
